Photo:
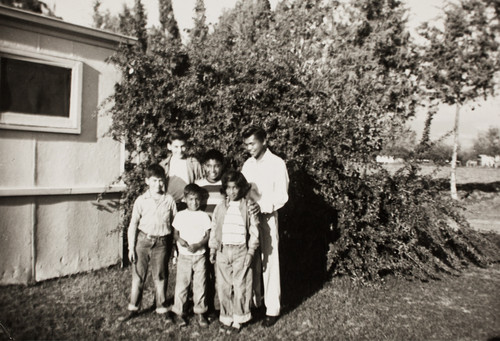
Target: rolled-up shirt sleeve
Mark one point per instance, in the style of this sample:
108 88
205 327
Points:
134 224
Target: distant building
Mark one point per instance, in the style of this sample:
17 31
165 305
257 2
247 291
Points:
388 159
55 157
384 159
486 161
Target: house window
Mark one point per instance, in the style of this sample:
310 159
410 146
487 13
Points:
40 93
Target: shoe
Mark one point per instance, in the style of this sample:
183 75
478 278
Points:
236 327
179 320
129 315
202 321
213 316
258 312
225 329
269 321
169 318
161 310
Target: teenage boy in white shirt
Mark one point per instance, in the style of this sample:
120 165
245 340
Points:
269 178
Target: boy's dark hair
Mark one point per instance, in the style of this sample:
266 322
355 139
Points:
213 154
239 179
193 189
258 132
177 134
155 170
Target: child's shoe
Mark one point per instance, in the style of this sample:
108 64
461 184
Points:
161 310
169 318
202 321
179 320
236 327
225 329
213 316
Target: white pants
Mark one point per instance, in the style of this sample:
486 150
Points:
270 265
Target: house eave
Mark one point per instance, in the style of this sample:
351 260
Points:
13 17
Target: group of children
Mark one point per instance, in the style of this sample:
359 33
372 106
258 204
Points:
197 212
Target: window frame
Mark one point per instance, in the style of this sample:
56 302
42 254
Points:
45 123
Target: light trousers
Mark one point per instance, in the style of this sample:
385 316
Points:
234 284
190 269
270 266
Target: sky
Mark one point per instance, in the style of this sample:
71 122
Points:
472 121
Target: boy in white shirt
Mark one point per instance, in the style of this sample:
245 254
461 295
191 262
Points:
191 231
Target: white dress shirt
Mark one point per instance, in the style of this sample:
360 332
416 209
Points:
269 179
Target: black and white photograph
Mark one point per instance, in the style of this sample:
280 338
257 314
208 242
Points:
250 170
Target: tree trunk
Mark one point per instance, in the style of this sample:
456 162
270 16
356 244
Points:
453 175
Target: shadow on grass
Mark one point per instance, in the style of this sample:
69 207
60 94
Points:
489 187
304 232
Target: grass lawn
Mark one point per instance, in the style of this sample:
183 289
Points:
86 306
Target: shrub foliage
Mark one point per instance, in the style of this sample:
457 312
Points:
329 82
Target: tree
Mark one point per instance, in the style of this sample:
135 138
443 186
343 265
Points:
126 21
200 29
248 19
401 145
168 22
488 142
97 17
36 6
120 23
439 153
460 61
139 25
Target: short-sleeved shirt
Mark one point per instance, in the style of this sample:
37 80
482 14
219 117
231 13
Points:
154 215
212 196
192 227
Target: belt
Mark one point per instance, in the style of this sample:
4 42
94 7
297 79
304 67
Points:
151 237
222 246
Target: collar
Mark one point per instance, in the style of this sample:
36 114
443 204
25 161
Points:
147 195
187 158
265 156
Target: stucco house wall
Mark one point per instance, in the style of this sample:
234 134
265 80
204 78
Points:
51 223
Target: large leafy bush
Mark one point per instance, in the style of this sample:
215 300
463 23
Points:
329 83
